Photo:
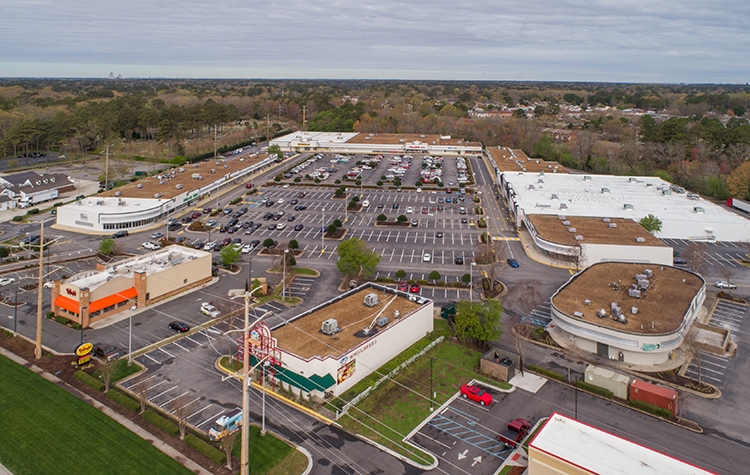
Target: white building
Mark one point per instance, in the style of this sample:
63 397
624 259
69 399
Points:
567 446
683 215
630 312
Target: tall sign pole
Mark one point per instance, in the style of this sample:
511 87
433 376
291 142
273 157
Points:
244 463
38 349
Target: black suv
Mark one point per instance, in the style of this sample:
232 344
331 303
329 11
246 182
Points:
119 234
460 260
174 226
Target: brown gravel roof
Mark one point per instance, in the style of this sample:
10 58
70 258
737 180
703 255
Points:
390 139
506 163
593 230
664 304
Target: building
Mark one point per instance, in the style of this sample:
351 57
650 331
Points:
140 204
628 312
584 241
506 159
141 281
683 215
325 351
31 187
353 142
565 446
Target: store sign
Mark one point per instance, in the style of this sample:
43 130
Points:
83 353
70 291
650 346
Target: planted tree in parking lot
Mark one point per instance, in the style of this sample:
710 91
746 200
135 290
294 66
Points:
355 259
381 217
230 255
107 246
331 229
402 218
400 274
478 321
337 223
268 243
293 244
434 276
466 278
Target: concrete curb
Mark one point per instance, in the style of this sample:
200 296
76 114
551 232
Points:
304 452
131 426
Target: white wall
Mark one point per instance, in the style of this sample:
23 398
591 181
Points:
593 253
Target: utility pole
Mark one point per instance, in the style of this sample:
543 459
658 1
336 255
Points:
15 314
106 169
215 138
38 349
304 117
268 129
245 459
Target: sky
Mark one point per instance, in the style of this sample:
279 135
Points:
641 41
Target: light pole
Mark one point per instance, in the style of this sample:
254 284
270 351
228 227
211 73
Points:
15 314
40 285
323 231
471 285
346 207
283 288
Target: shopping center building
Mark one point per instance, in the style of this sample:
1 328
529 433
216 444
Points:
139 281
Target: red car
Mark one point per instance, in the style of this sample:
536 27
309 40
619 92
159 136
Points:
249 185
195 215
403 287
475 393
414 288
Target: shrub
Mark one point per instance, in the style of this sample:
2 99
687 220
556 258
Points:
546 372
317 180
400 274
33 211
236 200
89 380
206 449
297 179
337 223
50 314
379 183
421 282
124 400
4 252
162 423
604 392
650 408
17 218
338 182
381 218
402 218
466 278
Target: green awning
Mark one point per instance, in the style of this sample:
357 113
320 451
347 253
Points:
313 383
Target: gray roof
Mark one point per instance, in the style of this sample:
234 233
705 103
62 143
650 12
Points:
18 179
46 182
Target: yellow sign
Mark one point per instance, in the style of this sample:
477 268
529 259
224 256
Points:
84 349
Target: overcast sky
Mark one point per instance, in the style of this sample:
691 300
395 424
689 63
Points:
691 41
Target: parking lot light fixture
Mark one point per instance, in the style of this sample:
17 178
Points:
471 280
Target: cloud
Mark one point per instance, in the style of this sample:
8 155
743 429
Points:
599 40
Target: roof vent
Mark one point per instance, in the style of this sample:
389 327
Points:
571 230
566 223
627 206
554 196
605 190
612 225
634 292
563 206
634 310
578 237
139 185
648 273
157 195
601 313
632 179
698 209
606 220
578 314
640 239
586 178
117 193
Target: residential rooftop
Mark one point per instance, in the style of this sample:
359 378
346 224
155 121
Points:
166 184
302 336
594 230
683 215
514 160
151 263
593 450
660 309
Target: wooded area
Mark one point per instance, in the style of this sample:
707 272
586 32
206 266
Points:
695 135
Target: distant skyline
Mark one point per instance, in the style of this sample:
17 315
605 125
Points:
670 41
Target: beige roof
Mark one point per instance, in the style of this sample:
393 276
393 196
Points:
517 161
303 337
593 230
664 304
432 139
151 185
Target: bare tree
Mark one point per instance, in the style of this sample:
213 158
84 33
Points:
107 370
695 256
693 350
141 390
182 407
582 146
227 444
522 298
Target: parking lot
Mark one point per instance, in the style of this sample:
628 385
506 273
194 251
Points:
718 254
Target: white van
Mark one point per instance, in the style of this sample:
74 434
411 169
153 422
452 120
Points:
365 204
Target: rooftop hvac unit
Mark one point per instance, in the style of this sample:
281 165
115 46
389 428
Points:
540 180
634 310
601 313
578 314
621 318
606 220
157 195
566 223
648 273
139 185
371 299
117 193
586 178
643 284
605 190
627 206
612 225
178 186
561 217
635 293
699 210
578 237
382 321
641 277
563 206
330 326
571 230
554 196
396 314
640 239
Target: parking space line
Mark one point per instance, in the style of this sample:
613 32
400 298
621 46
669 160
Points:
180 346
162 393
173 399
211 419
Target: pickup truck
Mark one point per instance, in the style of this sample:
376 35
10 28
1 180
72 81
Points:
514 433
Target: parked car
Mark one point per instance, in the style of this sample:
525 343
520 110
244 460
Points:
414 222
439 234
157 235
281 226
514 433
6 281
247 248
106 351
209 246
301 194
395 205
409 210
426 257
227 211
723 284
207 210
195 215
477 394
299 227
119 234
403 286
152 246
459 260
174 226
680 262
512 262
414 289
271 227
179 327
209 310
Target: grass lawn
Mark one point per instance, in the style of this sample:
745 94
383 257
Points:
122 370
48 430
305 271
393 410
270 455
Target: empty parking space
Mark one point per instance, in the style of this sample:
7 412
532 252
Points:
708 368
729 316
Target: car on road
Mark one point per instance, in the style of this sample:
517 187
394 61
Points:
119 234
106 351
6 281
414 289
723 284
439 234
179 327
152 246
207 210
459 260
174 226
248 185
403 286
299 227
426 257
512 262
476 394
195 215
157 235
209 310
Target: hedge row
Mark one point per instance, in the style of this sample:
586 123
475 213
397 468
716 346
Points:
124 400
547 372
206 449
161 422
655 410
89 380
595 389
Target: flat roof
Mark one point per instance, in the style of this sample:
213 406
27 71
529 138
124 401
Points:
596 451
593 230
514 160
608 195
303 337
395 139
151 263
152 185
665 303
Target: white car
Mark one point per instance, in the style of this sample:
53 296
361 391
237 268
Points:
409 210
426 258
151 246
47 285
209 246
419 190
209 310
7 281
722 284
280 201
247 248
280 226
365 204
286 185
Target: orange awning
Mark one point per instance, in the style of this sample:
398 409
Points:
113 299
67 303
